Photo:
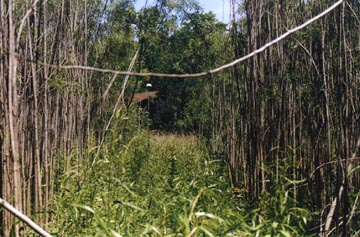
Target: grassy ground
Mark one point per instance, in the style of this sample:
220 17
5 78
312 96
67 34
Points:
163 185
165 139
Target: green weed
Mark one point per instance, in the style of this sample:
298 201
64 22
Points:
164 185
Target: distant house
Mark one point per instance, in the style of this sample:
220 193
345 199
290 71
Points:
139 97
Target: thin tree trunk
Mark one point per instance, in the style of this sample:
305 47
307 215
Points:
13 115
37 162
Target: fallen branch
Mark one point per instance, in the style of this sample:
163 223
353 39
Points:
24 218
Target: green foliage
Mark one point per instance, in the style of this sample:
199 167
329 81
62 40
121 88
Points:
178 37
163 185
278 215
141 188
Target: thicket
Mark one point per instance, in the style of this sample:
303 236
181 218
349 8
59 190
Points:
278 132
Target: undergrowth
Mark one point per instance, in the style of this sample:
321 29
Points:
152 185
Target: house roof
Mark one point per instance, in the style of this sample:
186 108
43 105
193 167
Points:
138 97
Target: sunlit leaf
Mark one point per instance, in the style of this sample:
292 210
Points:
115 233
209 215
87 208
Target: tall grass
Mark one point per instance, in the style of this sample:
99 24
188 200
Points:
163 185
